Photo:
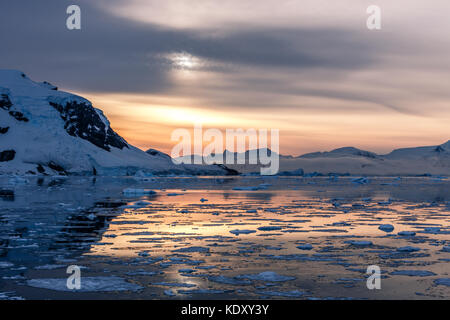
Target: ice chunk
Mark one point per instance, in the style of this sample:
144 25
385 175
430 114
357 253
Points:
169 293
443 282
88 284
228 280
407 233
262 186
138 192
5 264
362 180
201 291
266 276
269 228
16 180
50 267
359 243
306 246
291 294
408 249
413 273
192 249
386 227
175 284
243 231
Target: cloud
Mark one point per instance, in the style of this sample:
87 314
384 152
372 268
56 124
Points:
116 54
309 55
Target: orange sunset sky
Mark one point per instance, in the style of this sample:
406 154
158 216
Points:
309 68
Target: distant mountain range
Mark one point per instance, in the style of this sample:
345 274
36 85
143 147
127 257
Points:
349 160
44 131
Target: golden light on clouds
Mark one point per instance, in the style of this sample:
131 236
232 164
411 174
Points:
147 121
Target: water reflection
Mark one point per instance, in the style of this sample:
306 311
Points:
213 241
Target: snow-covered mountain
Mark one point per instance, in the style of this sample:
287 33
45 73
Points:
46 131
432 152
348 160
341 152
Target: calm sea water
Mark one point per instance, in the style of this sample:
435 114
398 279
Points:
228 237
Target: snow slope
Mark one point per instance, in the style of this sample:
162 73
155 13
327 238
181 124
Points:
45 131
434 160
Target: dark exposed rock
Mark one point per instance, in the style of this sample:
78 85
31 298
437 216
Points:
109 204
154 152
229 172
40 169
56 167
4 130
5 103
7 155
81 120
49 85
298 172
7 195
18 116
4 192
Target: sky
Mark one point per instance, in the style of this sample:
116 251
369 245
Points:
309 68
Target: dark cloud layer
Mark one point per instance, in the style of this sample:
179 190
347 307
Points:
114 54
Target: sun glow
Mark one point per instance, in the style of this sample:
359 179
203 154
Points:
184 61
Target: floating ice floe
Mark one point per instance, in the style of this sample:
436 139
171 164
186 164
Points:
445 249
262 186
434 230
5 264
413 273
50 267
290 294
407 233
186 270
138 192
386 227
88 284
306 246
16 180
137 204
269 228
266 276
443 282
201 291
360 243
174 284
243 231
385 203
362 180
228 280
9 296
408 249
192 249
143 273
169 293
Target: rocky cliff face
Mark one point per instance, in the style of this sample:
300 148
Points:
46 131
